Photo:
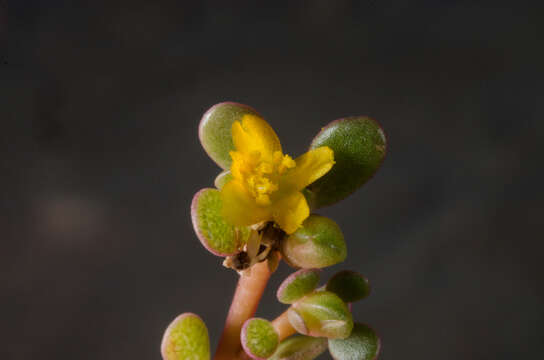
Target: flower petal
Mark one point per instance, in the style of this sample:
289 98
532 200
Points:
310 167
290 211
253 134
239 208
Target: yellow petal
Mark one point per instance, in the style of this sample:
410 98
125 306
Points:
310 167
253 135
237 164
239 208
290 211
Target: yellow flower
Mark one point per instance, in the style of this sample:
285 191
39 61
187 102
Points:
265 183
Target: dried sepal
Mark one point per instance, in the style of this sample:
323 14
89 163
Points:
274 259
261 245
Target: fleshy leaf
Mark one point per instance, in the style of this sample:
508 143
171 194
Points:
297 285
318 243
321 314
223 178
359 146
349 286
186 338
217 236
259 338
362 344
300 347
215 130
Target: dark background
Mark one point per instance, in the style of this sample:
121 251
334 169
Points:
99 107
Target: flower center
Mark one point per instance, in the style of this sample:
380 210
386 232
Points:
261 175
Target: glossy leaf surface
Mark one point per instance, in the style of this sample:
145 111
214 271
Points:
215 130
321 314
359 147
318 243
223 178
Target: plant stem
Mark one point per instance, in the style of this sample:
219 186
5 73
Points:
282 326
244 304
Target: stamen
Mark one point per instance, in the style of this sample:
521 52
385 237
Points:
287 162
262 200
260 174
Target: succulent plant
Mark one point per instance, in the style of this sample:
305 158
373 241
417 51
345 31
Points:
261 211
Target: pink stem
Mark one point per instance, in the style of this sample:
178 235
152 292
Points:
282 326
244 304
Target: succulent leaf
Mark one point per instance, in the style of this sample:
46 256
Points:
259 338
298 284
359 146
300 347
186 338
362 344
318 243
217 236
321 314
349 286
223 178
215 130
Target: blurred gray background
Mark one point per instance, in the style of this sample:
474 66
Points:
99 107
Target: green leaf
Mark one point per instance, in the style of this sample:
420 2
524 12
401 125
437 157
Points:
318 243
259 338
223 178
362 344
349 286
300 347
215 130
359 146
321 314
217 236
186 338
297 285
